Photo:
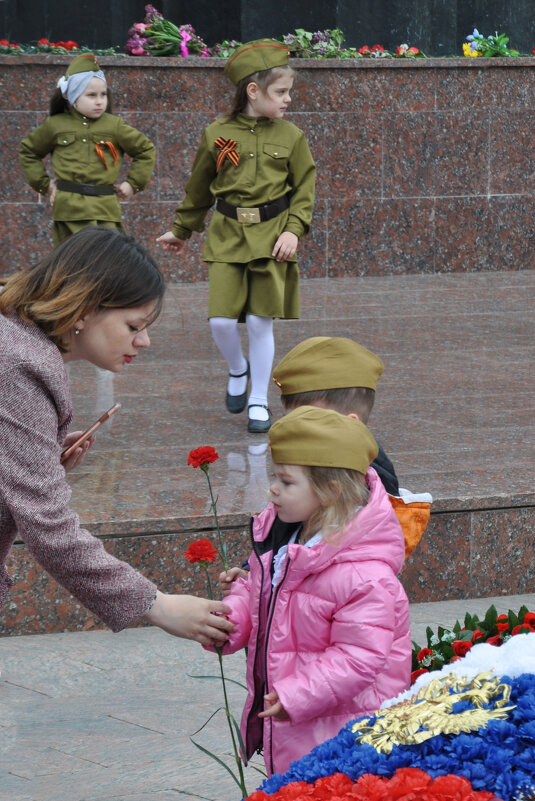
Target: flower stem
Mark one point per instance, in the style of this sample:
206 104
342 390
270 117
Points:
222 549
229 721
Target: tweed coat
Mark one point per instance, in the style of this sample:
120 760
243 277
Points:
35 413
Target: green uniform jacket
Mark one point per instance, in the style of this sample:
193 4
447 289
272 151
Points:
274 160
71 138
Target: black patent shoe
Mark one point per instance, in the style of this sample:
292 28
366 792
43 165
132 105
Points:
258 426
236 403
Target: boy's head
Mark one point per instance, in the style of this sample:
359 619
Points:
329 372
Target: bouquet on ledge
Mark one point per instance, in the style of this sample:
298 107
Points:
157 36
448 645
478 45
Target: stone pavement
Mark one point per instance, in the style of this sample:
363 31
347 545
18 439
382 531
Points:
96 716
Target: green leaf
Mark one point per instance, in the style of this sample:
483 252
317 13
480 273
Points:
217 759
490 618
513 619
522 612
206 722
233 681
429 633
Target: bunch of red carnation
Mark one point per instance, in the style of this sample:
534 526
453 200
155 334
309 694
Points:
448 645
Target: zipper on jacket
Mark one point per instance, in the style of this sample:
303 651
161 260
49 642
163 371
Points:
255 696
271 611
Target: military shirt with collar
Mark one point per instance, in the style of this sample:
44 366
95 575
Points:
71 139
274 160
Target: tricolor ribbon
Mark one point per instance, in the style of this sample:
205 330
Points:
228 150
100 152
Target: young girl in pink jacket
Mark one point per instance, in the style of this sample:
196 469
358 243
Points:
325 619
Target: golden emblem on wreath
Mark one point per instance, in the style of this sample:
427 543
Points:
430 712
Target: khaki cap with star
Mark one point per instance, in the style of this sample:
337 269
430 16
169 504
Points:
256 56
321 363
85 62
322 438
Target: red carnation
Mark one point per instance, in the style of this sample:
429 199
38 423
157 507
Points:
461 647
378 47
496 640
477 635
201 551
529 619
416 673
203 455
364 49
522 628
502 627
414 50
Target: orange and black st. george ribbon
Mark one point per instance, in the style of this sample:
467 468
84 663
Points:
100 152
227 150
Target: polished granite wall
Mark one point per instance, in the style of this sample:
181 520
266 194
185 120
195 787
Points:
423 166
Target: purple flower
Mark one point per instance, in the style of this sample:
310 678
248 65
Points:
151 14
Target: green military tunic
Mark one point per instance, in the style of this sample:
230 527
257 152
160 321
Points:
72 138
274 161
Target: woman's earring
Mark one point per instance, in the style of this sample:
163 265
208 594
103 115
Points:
76 331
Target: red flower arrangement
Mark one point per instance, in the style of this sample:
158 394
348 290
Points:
407 784
449 645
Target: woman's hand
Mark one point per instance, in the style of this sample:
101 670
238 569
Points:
274 708
77 456
228 576
171 242
124 190
192 618
285 246
51 192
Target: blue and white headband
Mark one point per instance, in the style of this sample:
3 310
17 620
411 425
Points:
72 86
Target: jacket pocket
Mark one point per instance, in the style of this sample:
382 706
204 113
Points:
65 139
276 151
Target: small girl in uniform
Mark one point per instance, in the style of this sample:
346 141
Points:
87 143
259 170
325 618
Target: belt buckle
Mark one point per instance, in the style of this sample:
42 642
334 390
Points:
248 215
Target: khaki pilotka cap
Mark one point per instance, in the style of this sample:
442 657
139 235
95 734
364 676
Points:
321 363
86 62
322 438
257 56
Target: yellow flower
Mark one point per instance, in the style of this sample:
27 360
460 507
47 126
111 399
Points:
467 50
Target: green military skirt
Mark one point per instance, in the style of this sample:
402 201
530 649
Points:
62 229
264 287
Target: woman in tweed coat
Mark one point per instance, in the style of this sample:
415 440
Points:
92 298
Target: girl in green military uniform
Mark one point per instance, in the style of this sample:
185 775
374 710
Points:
259 170
87 144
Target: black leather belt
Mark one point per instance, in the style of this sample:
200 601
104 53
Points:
253 215
86 189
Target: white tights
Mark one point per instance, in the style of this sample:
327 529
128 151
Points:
261 353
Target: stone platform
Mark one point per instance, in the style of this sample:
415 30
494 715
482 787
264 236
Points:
454 410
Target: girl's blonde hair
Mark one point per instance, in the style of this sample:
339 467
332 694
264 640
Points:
340 491
264 78
91 271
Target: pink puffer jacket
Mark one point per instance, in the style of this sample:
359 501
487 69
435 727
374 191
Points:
332 639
